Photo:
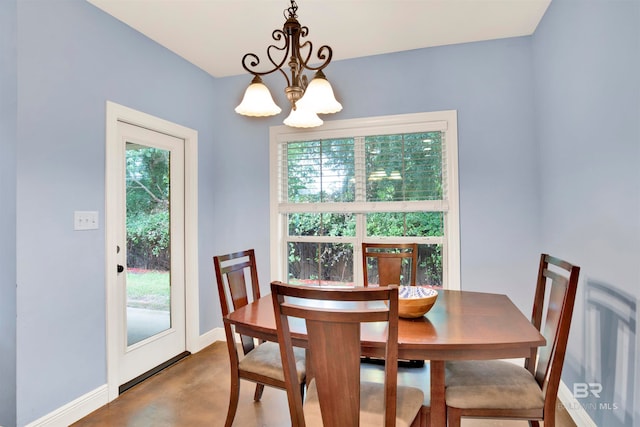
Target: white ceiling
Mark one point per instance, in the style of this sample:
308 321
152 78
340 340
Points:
215 34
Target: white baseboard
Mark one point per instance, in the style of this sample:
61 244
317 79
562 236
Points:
208 338
74 410
574 408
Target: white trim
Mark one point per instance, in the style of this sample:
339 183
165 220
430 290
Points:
574 408
452 269
366 207
276 224
208 338
401 123
115 113
74 410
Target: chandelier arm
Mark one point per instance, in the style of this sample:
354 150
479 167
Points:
306 47
250 66
324 53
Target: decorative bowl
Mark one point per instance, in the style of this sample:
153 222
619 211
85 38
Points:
415 301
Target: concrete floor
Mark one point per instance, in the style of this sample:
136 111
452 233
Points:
195 392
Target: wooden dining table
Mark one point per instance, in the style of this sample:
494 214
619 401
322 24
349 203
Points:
462 325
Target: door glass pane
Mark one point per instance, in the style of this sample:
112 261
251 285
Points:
148 237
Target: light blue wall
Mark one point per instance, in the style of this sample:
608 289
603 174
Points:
587 79
72 59
8 142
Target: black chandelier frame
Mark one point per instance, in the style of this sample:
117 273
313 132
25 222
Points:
298 55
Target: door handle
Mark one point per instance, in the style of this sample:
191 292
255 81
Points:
120 268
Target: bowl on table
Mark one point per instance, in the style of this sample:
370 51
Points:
415 301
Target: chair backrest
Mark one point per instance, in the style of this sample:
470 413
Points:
333 331
388 260
554 300
231 273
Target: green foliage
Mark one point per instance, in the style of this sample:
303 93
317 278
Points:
148 240
147 207
321 171
429 265
324 224
405 224
147 179
404 167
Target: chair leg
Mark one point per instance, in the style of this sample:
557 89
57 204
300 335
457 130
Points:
425 415
453 417
234 395
258 393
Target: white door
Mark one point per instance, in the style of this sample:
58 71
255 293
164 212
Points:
150 250
149 324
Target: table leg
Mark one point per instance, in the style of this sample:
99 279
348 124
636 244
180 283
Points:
438 405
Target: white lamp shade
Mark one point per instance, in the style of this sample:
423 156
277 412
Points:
301 118
319 96
257 101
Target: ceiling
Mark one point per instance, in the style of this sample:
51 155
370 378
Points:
215 34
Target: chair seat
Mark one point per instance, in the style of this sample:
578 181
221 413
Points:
371 405
492 384
265 360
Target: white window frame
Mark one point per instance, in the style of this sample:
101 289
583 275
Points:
445 121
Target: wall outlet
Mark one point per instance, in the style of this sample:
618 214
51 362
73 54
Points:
85 220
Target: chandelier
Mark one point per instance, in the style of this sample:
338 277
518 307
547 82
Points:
307 99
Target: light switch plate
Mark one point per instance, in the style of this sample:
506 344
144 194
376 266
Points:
85 220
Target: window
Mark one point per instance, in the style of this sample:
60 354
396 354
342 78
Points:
382 179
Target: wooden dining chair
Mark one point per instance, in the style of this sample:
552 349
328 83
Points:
387 261
501 389
261 362
335 396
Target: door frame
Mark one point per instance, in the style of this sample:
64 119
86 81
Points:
114 114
